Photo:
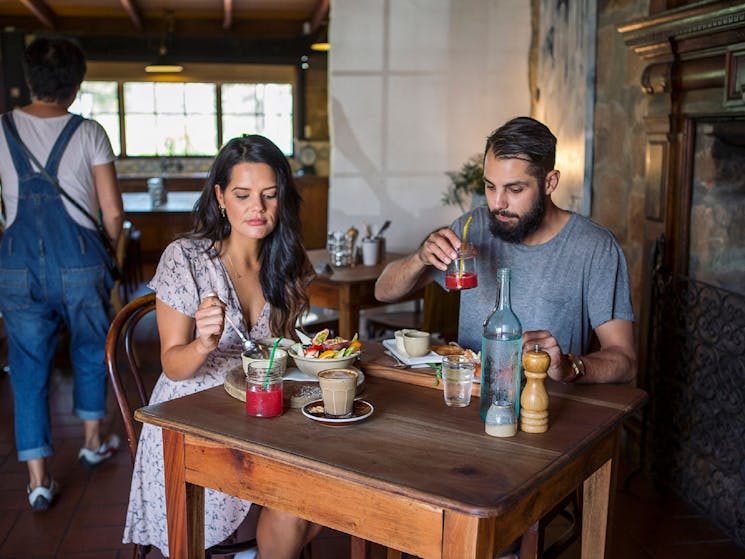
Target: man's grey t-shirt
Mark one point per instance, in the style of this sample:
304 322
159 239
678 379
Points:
569 285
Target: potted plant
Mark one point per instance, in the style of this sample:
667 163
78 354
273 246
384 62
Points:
466 181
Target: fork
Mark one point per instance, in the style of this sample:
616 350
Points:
398 363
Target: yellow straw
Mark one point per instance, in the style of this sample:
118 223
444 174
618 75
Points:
465 232
465 228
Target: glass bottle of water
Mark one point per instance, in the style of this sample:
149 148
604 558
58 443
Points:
501 349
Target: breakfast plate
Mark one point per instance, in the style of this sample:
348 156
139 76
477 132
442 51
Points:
422 361
362 409
235 381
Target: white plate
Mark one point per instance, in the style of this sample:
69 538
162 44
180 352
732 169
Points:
293 373
431 357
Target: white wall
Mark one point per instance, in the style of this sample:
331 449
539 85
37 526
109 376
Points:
415 87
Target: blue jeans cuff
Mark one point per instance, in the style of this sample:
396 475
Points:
35 453
86 415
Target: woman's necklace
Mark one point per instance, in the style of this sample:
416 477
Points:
232 266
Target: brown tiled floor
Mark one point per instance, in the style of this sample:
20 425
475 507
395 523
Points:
86 522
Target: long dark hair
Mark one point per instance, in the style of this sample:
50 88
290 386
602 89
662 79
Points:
285 268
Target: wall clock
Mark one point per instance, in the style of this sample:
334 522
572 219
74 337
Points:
307 158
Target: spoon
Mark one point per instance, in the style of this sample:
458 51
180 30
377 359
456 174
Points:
249 346
398 363
382 229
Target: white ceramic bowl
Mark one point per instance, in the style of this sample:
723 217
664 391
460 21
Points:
280 357
286 343
312 366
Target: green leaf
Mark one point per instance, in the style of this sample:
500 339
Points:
469 179
438 372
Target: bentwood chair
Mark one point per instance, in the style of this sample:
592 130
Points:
122 335
119 291
533 544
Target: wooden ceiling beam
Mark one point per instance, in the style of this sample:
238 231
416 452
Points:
227 9
133 11
319 15
42 12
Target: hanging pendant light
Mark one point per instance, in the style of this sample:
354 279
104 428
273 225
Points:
164 64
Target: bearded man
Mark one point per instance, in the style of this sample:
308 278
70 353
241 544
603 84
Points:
569 275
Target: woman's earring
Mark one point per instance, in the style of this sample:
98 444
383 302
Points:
223 213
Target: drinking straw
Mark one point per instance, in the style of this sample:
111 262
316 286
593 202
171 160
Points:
271 362
465 228
465 232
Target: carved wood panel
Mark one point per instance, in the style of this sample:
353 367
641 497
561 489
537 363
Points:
735 76
693 347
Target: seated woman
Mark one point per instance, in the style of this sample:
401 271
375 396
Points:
244 258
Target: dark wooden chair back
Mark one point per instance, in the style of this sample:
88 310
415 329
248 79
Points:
122 336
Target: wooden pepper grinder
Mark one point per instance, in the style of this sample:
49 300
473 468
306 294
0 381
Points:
534 399
352 233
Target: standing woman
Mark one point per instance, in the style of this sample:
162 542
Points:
244 258
52 261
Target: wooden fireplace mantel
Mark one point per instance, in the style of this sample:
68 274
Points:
693 72
700 46
686 30
695 69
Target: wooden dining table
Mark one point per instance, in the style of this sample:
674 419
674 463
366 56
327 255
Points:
349 289
415 476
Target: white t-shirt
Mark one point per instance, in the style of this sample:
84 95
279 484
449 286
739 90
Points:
88 147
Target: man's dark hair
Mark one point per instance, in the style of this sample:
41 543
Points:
525 138
54 67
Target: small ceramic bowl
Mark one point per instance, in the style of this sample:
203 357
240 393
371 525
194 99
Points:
280 357
416 343
400 341
285 344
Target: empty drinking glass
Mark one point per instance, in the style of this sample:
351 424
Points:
457 377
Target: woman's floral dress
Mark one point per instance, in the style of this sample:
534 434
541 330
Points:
188 270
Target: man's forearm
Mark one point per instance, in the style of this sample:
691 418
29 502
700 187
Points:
612 364
400 278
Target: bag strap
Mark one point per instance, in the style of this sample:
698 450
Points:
11 127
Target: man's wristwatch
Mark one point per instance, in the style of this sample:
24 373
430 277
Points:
578 367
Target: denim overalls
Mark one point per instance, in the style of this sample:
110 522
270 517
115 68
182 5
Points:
52 270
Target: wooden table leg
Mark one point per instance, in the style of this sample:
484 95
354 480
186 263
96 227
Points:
360 548
595 512
349 312
184 502
468 537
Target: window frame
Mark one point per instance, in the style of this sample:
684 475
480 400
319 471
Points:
215 74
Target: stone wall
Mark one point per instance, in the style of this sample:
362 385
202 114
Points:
620 139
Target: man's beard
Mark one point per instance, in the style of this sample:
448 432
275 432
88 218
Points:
526 225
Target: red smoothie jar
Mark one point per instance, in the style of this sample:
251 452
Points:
264 390
461 274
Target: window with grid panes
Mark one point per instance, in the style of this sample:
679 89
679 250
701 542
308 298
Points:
181 119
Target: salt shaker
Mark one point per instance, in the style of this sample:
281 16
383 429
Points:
534 399
500 419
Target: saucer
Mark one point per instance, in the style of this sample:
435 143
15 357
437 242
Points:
361 409
422 361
